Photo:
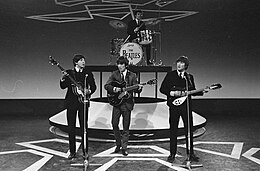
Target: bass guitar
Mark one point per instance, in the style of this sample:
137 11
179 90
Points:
182 99
116 99
77 87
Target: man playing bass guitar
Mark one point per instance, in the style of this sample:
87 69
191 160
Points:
74 80
126 106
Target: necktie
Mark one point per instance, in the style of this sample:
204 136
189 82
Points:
180 75
122 77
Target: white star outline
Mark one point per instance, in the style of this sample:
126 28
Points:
111 9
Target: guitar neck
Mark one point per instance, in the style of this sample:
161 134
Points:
133 87
195 91
70 77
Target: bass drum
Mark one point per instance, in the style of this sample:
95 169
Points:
133 52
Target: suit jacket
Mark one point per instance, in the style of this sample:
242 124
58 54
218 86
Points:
71 100
130 29
172 82
130 79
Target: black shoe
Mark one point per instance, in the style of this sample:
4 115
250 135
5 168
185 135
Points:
71 156
194 158
117 149
171 158
124 152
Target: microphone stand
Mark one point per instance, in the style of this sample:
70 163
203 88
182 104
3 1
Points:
85 110
187 163
86 107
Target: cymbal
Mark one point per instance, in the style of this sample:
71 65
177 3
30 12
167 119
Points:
117 24
154 21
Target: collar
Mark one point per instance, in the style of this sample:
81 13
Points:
78 70
124 73
180 73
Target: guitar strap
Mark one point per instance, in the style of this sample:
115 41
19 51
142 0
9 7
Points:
127 78
189 79
74 75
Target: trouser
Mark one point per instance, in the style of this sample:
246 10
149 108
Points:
148 53
175 113
71 120
121 139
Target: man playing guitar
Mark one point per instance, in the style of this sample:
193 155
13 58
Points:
76 80
175 85
126 106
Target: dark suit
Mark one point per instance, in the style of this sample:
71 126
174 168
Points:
123 109
73 105
172 82
130 31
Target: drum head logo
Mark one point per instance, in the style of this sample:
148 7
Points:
133 52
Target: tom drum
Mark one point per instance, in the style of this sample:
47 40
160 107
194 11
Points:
145 37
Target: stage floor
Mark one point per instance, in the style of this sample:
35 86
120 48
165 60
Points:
231 142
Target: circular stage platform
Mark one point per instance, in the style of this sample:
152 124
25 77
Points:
149 121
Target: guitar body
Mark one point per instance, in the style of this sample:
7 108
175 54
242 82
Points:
180 100
77 87
79 92
116 99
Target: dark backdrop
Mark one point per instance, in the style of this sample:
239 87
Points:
221 41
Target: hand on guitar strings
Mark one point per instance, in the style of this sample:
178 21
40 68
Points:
177 93
87 91
117 89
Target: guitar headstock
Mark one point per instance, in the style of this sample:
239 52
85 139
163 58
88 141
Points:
152 81
215 86
53 61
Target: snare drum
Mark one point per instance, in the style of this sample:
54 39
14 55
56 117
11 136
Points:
133 52
145 37
116 45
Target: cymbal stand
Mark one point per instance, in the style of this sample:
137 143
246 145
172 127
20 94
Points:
154 48
157 48
159 30
159 39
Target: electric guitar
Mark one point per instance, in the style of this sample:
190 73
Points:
116 99
182 99
77 87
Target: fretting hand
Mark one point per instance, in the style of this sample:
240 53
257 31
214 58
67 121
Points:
140 87
206 90
64 75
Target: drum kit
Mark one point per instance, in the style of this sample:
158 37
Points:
133 51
